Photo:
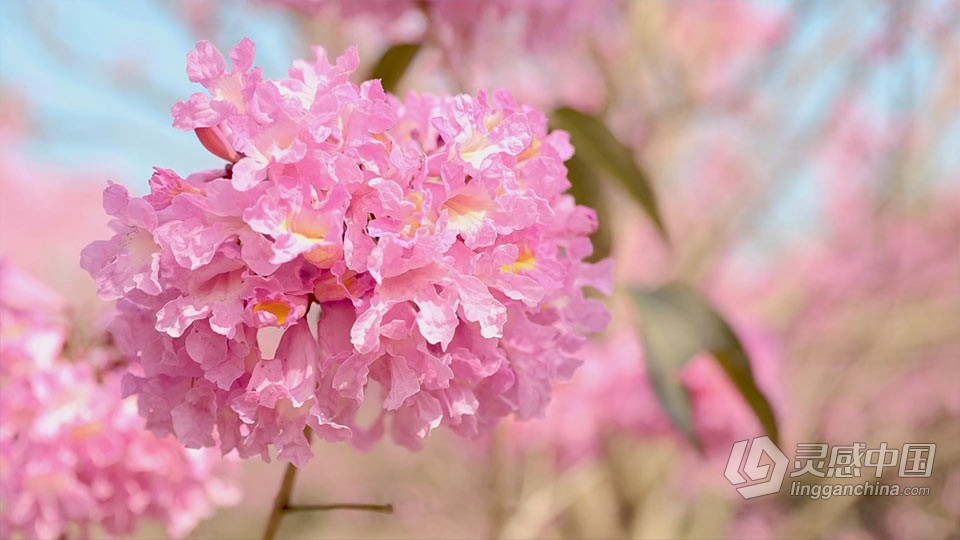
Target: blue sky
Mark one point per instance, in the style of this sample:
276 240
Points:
54 53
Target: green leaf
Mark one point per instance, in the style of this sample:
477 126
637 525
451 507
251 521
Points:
585 191
394 63
676 324
601 150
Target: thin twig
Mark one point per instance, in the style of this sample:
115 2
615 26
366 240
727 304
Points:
281 502
282 506
381 508
498 488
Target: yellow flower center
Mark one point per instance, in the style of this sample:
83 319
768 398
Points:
280 310
525 261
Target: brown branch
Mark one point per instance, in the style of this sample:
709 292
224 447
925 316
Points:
281 502
380 508
282 506
498 488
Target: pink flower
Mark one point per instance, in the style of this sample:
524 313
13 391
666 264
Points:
433 233
131 259
76 457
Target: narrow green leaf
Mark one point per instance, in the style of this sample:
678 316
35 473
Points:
586 192
667 347
736 364
601 150
677 324
673 396
394 63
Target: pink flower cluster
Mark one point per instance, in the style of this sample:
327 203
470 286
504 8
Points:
433 233
74 456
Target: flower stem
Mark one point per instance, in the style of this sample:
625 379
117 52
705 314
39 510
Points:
498 485
281 502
